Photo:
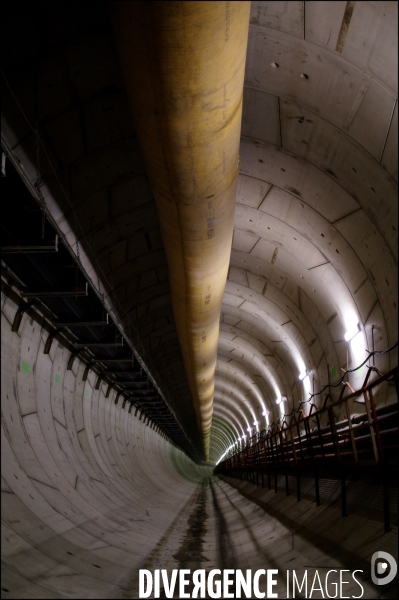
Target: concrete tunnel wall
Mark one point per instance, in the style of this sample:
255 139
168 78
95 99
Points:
91 494
318 183
88 488
315 233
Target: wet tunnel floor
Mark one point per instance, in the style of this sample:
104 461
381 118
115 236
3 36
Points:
210 532
222 527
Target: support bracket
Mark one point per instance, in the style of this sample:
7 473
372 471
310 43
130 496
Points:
72 358
53 333
99 380
20 313
87 369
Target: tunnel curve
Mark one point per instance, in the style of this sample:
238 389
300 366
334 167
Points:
90 493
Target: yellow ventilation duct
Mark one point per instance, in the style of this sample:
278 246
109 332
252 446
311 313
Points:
183 64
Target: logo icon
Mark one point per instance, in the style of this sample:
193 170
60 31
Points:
379 568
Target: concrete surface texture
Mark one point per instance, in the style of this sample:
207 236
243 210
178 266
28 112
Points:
90 493
184 67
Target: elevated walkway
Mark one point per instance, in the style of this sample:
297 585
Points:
362 445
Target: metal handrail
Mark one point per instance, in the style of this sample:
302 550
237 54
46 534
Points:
354 439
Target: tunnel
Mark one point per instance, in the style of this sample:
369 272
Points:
110 476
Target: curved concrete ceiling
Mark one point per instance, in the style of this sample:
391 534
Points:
315 240
314 249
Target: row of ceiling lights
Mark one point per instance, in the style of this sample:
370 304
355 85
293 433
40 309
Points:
350 335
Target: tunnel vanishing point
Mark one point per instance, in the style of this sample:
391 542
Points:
199 295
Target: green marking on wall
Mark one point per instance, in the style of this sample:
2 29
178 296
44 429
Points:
333 372
57 378
25 366
87 392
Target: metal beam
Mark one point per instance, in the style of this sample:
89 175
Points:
102 344
55 294
82 324
140 391
136 372
123 359
30 249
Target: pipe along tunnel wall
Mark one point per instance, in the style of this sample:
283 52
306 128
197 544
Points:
91 494
184 66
